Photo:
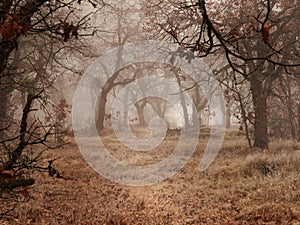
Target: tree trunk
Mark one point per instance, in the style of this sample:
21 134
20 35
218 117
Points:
183 103
16 153
101 107
4 123
185 111
298 111
228 114
140 111
244 118
6 47
196 117
292 120
261 118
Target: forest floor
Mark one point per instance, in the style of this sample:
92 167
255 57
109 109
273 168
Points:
240 187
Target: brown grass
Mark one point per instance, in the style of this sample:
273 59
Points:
240 187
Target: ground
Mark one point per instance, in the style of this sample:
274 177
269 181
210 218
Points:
242 186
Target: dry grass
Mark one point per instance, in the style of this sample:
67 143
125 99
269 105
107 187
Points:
240 187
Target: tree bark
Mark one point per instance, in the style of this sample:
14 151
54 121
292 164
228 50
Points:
183 103
103 98
16 153
101 113
4 122
140 106
261 118
244 118
298 111
228 114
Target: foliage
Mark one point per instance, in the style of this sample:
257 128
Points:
12 27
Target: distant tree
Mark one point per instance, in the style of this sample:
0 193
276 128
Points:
121 28
283 107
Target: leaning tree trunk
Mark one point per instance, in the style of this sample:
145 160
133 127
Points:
102 101
261 119
17 152
244 118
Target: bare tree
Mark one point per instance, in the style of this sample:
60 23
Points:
33 33
283 107
258 39
119 30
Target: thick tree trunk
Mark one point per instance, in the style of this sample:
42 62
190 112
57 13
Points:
140 111
200 103
110 83
101 113
261 118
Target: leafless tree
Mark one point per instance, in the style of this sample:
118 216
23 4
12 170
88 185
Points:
33 33
259 40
